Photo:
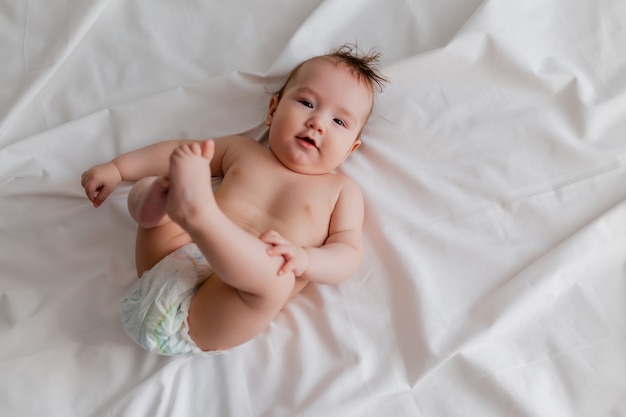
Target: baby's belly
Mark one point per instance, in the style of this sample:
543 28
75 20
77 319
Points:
298 230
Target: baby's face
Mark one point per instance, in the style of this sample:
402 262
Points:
315 125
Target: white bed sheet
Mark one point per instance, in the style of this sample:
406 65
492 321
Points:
494 172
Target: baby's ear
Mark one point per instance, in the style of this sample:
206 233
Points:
355 145
272 108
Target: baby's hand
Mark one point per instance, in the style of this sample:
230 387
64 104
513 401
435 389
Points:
296 258
99 181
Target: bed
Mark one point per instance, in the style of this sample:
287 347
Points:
494 174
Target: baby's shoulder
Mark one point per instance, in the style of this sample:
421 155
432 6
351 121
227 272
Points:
240 143
237 147
346 186
343 179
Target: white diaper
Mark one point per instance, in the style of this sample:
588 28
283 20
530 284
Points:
154 313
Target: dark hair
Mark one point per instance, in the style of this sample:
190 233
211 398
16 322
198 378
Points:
363 65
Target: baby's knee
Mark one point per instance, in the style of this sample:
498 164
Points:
274 295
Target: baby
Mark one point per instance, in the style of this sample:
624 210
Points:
217 267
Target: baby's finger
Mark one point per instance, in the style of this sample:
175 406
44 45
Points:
271 237
83 179
90 196
280 250
269 233
101 195
287 267
90 191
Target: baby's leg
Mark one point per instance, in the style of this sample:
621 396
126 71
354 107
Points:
249 293
239 258
157 234
147 201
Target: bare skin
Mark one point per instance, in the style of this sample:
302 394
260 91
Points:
280 218
247 294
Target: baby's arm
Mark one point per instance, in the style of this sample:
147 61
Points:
342 251
153 160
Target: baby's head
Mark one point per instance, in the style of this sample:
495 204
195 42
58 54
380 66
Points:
362 66
317 116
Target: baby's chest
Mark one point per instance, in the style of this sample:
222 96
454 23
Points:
301 214
299 203
297 206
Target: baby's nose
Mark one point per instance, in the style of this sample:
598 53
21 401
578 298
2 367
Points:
316 124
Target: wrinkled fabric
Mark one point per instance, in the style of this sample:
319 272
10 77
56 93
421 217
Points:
493 170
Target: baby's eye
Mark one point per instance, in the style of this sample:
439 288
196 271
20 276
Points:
306 103
340 122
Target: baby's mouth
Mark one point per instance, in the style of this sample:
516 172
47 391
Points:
307 140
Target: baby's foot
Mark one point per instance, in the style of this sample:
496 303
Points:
190 191
151 208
